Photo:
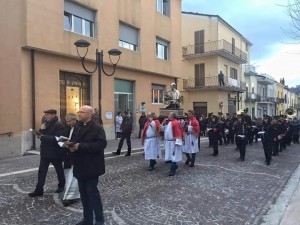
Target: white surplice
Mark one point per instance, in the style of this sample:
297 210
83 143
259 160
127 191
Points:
173 147
71 186
191 141
152 143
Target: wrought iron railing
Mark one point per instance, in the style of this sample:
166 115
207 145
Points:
264 98
213 82
252 96
213 46
280 100
297 106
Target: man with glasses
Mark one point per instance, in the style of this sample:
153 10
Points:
87 146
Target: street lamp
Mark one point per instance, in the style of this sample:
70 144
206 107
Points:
99 65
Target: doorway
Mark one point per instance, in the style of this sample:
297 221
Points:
74 92
200 108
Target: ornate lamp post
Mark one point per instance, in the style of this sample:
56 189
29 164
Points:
99 65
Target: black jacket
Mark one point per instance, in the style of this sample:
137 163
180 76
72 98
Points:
49 147
126 125
89 158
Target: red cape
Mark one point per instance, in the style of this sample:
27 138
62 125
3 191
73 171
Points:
157 125
196 126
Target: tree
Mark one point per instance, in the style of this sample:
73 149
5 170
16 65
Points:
293 11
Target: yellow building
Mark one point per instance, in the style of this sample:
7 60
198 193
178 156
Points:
211 45
280 99
40 68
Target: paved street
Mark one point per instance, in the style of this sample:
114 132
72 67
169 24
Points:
220 190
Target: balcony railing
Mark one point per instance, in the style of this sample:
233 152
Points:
250 70
297 106
230 84
252 97
264 79
220 47
263 98
280 100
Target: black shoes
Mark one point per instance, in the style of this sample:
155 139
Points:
172 173
187 162
151 168
35 194
169 161
127 154
60 189
116 153
67 202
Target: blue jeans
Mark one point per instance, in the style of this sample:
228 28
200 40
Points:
91 200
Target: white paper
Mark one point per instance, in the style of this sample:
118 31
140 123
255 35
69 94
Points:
261 132
61 138
241 136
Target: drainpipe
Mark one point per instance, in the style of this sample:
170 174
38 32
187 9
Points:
33 96
238 101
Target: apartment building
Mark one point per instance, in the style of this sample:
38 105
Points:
266 88
40 67
211 45
250 96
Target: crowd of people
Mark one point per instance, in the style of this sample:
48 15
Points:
77 149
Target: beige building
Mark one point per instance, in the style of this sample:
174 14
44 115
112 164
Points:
40 68
211 45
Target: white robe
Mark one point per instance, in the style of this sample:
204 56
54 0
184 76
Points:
152 143
173 147
191 141
71 186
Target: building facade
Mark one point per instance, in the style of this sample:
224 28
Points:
40 67
211 45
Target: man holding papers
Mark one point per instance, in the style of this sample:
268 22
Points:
241 140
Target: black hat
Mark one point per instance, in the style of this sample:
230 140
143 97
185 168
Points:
52 111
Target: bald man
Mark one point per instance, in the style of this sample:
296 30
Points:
87 146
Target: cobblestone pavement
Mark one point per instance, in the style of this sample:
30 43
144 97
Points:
219 190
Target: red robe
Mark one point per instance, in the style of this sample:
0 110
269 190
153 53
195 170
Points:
176 129
157 125
196 127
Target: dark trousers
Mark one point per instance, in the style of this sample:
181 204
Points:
268 150
282 144
91 200
221 81
173 166
241 144
215 144
43 170
152 162
127 137
295 139
119 135
275 147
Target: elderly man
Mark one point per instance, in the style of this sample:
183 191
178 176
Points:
87 145
50 152
173 135
151 140
71 187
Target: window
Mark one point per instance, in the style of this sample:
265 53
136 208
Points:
78 19
233 73
128 37
163 7
162 49
157 93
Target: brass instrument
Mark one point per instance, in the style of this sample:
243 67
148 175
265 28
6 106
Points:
290 113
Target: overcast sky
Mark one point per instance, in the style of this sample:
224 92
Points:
262 22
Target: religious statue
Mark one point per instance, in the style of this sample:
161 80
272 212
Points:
172 98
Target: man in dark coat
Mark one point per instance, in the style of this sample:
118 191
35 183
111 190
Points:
87 146
51 152
142 121
268 138
126 128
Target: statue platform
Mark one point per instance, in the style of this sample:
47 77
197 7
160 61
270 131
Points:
166 112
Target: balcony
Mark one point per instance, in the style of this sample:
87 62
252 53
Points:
252 97
297 106
250 70
267 99
280 100
212 83
264 80
221 47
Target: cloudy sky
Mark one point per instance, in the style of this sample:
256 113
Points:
262 22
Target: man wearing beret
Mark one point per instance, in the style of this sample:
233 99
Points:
50 152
